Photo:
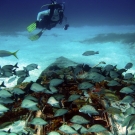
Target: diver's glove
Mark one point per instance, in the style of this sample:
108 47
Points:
66 27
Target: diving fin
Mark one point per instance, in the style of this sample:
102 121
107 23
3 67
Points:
37 36
31 27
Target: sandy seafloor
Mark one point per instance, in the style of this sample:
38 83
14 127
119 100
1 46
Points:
58 42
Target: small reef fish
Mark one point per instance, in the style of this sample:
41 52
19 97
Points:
87 53
4 53
9 67
31 67
129 65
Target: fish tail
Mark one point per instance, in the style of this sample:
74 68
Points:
126 131
2 84
15 54
97 52
16 65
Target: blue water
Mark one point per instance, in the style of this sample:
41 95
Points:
15 15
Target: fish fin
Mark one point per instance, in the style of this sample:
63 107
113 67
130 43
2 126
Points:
89 114
2 84
126 131
15 53
16 65
9 131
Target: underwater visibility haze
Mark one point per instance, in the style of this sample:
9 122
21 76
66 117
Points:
77 78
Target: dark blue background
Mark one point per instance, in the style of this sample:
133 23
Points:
15 15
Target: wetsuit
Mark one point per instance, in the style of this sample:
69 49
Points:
50 17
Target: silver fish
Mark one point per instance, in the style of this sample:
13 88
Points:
79 119
113 74
128 65
31 67
5 94
37 87
53 102
9 67
96 128
67 129
126 90
81 129
58 96
129 111
31 98
132 87
128 76
7 74
109 67
4 53
3 108
34 108
60 112
18 91
88 109
88 53
12 79
20 80
56 82
53 89
85 85
26 103
22 73
113 83
127 120
127 99
96 77
38 121
73 97
6 100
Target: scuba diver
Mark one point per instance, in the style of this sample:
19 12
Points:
48 19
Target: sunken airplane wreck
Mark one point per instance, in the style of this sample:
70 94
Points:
71 100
